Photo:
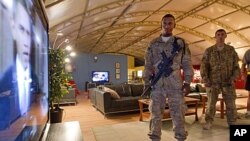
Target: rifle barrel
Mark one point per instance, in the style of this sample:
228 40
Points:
144 92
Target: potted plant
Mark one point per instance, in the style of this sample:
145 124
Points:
58 84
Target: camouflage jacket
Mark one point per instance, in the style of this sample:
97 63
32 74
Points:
220 66
246 59
182 60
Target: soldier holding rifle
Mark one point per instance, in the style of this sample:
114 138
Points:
164 59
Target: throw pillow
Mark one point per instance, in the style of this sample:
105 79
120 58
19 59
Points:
113 93
201 89
193 88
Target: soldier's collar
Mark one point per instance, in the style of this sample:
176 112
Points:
171 39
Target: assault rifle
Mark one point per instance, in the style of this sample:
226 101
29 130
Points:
165 66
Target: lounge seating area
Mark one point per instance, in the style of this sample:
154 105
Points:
85 112
120 98
197 90
69 98
116 98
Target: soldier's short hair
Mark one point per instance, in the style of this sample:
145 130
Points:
220 30
168 16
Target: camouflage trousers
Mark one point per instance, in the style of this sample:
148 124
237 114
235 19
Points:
229 96
177 109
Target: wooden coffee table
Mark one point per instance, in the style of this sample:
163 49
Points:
221 107
188 100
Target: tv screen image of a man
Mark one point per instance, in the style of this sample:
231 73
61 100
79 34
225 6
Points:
100 76
15 82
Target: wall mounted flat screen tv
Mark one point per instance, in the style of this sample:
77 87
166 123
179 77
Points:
100 76
23 70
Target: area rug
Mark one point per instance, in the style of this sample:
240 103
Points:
137 131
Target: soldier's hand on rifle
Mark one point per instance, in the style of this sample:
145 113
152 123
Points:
186 88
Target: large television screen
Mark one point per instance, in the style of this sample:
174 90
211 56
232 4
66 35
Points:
100 76
23 70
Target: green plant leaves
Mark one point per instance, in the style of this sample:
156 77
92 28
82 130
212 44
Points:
57 76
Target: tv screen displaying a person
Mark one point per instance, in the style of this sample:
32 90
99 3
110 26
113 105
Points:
23 71
100 76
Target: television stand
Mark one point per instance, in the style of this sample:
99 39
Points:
65 131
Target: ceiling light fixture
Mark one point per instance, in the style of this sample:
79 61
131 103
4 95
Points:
65 41
57 34
72 54
95 59
68 48
67 60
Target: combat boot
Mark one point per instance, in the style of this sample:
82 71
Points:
231 123
207 126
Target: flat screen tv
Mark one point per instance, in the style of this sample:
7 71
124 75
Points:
23 70
100 77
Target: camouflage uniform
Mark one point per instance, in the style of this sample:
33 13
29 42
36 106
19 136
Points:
219 68
246 62
167 87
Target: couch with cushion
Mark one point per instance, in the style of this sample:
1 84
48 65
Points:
69 98
116 98
197 90
124 97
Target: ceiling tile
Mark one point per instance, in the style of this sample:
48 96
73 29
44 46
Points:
204 44
189 37
245 32
209 29
191 22
236 20
147 5
240 2
68 9
182 5
131 20
215 10
235 40
100 3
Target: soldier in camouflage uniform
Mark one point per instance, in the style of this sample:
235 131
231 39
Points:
171 87
219 69
245 75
